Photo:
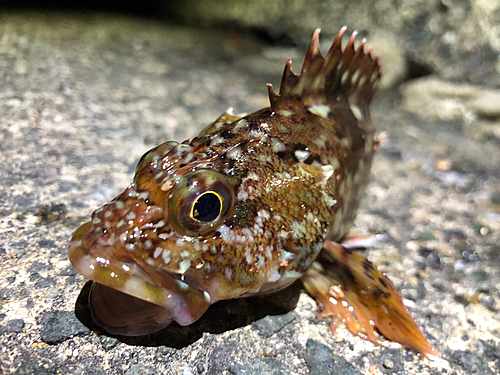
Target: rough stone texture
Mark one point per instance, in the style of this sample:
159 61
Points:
477 109
82 98
57 326
458 39
321 360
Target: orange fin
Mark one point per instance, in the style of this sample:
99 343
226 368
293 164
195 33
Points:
349 287
351 74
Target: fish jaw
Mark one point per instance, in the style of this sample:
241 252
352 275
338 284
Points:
105 265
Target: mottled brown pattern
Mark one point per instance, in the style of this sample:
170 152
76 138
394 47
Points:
276 184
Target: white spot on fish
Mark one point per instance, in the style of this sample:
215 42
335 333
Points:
289 276
344 77
130 216
320 110
334 162
148 244
107 214
286 255
207 296
327 173
320 141
346 142
252 176
96 220
167 185
130 246
184 266
229 273
302 155
285 112
166 256
275 276
111 239
157 252
144 195
298 229
159 224
182 285
240 125
119 204
264 214
277 145
216 140
163 236
355 76
356 112
234 153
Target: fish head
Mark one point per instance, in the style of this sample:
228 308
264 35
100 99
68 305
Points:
156 241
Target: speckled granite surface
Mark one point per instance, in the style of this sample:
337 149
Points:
82 98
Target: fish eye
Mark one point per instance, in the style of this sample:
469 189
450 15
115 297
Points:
207 207
199 202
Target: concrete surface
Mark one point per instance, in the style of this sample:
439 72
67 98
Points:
83 97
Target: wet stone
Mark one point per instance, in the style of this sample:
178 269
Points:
37 266
14 325
321 361
473 362
52 211
264 366
6 293
51 292
47 244
269 325
138 369
108 342
388 364
11 279
57 326
45 282
393 153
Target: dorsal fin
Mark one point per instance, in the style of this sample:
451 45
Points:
351 73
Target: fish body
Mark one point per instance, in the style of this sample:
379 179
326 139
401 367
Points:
245 207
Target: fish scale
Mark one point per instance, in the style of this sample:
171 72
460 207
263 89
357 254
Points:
247 207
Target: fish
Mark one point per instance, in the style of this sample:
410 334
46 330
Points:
249 206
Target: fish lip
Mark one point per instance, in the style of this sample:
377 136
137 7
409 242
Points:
129 278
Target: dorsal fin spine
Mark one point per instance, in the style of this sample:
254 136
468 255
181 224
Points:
350 72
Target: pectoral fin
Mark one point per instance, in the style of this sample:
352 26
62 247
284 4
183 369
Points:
349 287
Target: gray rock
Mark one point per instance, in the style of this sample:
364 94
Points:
456 39
261 366
138 369
57 326
321 361
14 325
108 342
435 100
269 325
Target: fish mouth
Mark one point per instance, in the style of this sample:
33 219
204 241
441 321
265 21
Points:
98 261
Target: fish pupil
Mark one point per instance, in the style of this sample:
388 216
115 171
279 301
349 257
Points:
207 207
